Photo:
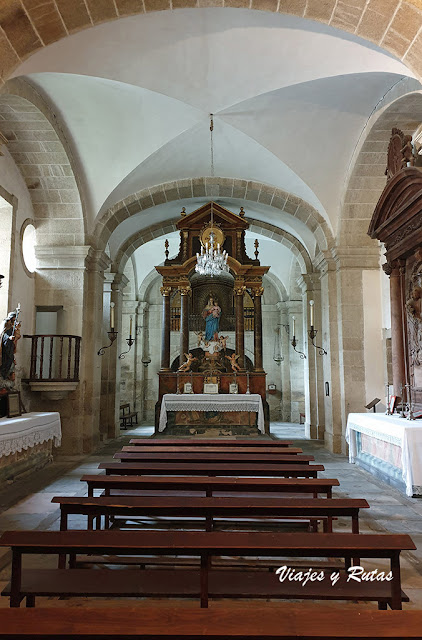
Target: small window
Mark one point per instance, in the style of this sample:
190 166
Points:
28 247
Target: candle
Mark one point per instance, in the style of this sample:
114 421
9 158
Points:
293 325
112 316
130 329
311 304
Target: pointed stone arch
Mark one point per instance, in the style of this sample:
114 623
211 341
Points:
213 188
37 146
169 226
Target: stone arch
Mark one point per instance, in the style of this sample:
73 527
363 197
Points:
367 179
169 226
35 142
28 26
213 188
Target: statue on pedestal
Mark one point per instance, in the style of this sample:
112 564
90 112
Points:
211 315
9 336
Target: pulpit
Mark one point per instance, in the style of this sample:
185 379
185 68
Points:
211 314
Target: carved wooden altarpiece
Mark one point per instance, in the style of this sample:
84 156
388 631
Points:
180 279
397 222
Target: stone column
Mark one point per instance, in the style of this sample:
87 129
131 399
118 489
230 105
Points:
285 386
165 330
257 297
314 407
239 290
113 418
184 322
396 271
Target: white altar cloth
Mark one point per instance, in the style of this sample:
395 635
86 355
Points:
28 430
211 402
406 434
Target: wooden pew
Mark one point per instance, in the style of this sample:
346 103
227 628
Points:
210 508
114 485
249 459
228 623
205 583
212 469
238 450
213 442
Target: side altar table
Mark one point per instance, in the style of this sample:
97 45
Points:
389 447
26 442
250 404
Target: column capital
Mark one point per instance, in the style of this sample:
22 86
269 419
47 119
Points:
257 291
165 291
356 257
239 286
119 282
309 282
184 290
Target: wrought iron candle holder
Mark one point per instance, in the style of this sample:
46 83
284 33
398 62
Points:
112 336
130 341
312 335
294 343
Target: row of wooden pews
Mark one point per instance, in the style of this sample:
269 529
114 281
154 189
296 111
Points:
193 488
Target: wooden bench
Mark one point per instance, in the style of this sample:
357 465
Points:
212 469
210 508
239 458
228 623
206 583
213 442
127 417
238 450
114 485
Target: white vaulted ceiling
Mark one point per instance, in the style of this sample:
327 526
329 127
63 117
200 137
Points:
291 98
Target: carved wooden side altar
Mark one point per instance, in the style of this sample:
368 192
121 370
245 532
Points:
223 297
397 222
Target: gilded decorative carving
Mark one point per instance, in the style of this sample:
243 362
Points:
165 291
184 290
258 292
239 289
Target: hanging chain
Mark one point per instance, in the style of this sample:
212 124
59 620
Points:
212 158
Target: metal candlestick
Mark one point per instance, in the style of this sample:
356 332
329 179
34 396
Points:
112 336
312 335
410 415
294 343
401 415
130 342
248 393
388 412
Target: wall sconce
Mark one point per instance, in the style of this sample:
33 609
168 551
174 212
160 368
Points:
112 334
294 341
129 341
313 332
146 361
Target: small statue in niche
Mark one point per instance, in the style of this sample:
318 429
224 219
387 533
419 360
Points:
414 312
10 334
414 303
187 365
408 159
211 315
233 363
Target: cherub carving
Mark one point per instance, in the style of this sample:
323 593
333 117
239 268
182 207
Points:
223 342
187 365
234 365
200 336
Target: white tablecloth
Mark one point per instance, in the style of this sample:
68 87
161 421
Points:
211 402
28 430
406 434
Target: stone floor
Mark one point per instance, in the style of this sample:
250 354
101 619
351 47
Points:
27 505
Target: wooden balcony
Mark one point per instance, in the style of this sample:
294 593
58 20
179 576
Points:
54 364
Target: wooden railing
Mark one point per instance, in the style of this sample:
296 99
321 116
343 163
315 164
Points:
55 358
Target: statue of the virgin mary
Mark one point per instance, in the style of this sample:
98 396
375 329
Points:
211 315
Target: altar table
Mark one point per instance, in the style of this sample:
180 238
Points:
389 447
29 430
251 403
